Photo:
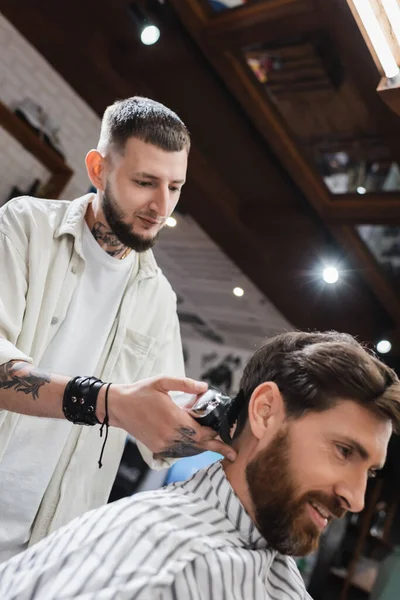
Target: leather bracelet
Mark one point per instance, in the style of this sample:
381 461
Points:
80 400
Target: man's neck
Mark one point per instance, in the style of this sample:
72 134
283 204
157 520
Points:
102 233
236 475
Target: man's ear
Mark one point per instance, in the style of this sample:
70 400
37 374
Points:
96 167
266 410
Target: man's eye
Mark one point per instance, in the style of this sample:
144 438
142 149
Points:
142 183
175 189
345 451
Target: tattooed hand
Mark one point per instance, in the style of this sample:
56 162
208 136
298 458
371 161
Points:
22 377
183 445
147 412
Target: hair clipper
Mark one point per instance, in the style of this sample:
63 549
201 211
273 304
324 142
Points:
214 409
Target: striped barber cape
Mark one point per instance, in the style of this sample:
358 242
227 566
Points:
188 541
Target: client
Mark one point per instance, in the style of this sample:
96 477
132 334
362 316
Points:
317 412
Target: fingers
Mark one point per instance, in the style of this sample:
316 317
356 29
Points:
221 448
182 384
176 433
205 438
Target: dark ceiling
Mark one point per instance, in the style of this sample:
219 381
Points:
261 149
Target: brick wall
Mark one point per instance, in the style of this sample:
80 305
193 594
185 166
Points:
25 73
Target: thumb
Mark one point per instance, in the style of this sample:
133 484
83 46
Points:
221 448
182 384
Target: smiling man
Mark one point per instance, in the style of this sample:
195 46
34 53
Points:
82 298
315 413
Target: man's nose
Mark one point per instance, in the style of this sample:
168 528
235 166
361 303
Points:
352 493
160 201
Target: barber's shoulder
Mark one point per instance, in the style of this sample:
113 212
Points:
161 286
25 218
167 287
23 209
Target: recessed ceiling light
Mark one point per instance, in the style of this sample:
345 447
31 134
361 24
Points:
171 222
150 35
361 190
384 346
238 291
330 275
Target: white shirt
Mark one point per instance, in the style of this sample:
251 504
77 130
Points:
41 269
81 337
189 541
75 349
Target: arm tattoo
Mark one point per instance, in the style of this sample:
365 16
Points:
23 378
182 446
106 237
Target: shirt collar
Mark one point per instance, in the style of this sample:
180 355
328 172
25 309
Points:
73 222
212 485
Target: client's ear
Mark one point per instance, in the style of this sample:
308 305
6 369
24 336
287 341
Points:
266 410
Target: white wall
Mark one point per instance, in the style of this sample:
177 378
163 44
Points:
25 73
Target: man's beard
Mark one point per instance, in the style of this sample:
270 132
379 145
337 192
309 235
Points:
115 219
281 516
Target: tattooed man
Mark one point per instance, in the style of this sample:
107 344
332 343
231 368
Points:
82 304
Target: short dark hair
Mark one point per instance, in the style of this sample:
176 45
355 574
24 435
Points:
314 370
146 120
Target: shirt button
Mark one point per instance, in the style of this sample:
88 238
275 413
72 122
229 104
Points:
74 270
54 321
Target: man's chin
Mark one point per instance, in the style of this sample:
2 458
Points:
140 243
298 547
303 538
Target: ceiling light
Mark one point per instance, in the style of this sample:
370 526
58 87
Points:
238 291
330 275
377 37
361 190
150 35
384 346
171 222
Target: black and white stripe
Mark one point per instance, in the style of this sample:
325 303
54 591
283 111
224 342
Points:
189 541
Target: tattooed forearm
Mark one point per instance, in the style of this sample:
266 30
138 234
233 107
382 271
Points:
22 377
183 445
107 238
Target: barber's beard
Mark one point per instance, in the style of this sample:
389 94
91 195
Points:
115 219
281 515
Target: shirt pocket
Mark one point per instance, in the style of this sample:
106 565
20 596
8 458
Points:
137 357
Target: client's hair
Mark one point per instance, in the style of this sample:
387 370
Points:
314 370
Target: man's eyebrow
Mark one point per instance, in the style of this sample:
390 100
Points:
361 451
155 178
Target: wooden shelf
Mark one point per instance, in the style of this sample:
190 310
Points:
61 173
